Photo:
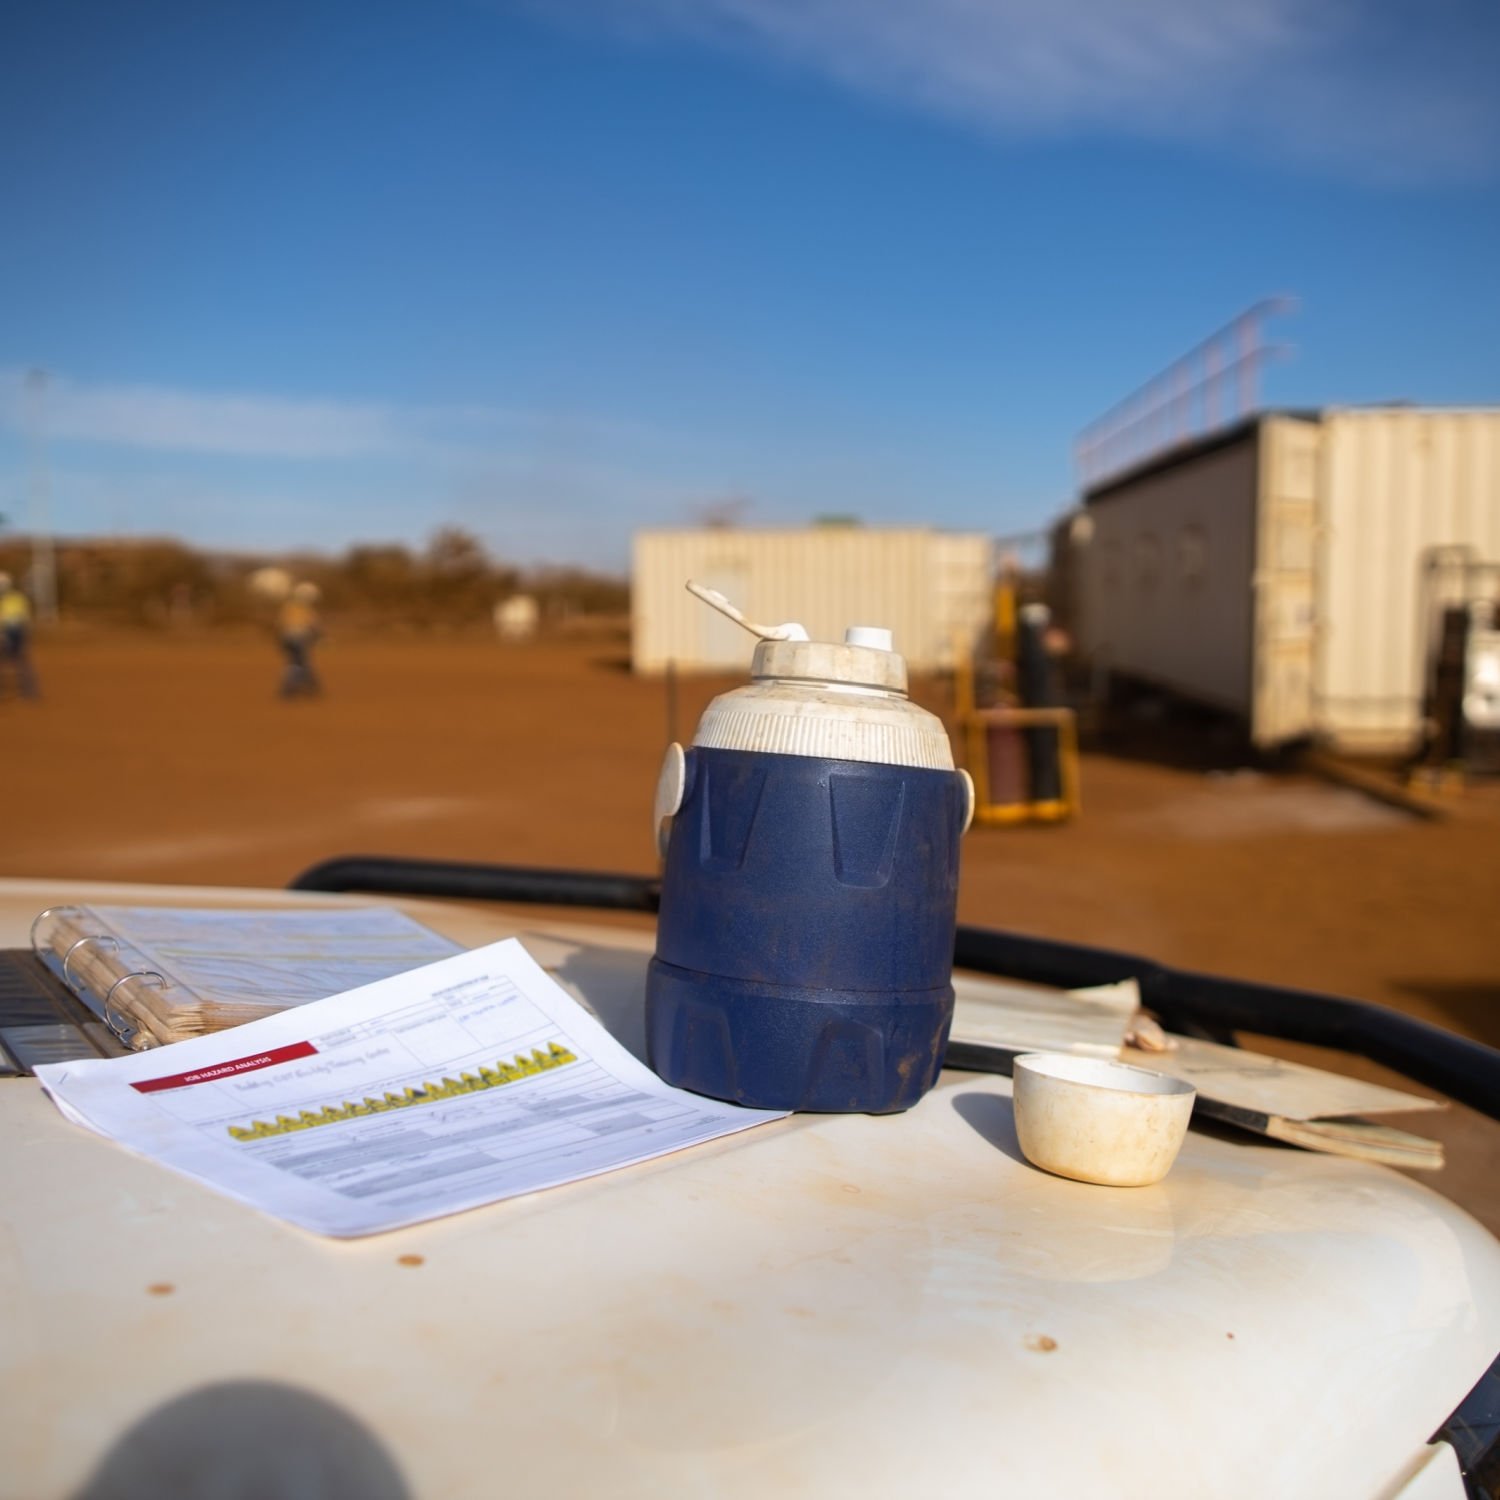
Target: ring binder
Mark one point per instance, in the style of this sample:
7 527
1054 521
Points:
91 965
92 937
122 1029
205 969
37 921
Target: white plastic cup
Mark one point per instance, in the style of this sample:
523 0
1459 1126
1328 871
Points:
1099 1121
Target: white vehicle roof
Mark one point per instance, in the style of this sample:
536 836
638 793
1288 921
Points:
825 1306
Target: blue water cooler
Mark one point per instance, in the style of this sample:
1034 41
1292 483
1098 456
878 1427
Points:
804 948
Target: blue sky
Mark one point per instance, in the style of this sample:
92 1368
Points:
306 274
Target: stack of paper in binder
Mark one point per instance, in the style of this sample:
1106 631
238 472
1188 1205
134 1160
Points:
158 974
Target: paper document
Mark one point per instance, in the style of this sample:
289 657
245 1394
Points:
1026 1018
1291 1102
457 1084
1257 1083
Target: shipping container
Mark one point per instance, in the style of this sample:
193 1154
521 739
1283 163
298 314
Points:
1274 570
931 589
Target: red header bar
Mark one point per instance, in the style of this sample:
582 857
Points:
228 1069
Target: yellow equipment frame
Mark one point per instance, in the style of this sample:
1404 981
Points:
976 725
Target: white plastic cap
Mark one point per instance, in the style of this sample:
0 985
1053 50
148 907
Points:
869 635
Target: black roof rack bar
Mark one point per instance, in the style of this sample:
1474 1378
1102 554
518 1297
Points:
458 881
1464 1070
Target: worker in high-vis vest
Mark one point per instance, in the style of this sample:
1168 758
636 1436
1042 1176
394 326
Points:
15 638
298 627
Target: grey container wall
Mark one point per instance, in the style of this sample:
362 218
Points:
1273 570
1163 579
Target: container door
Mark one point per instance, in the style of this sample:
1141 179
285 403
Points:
1285 599
1394 484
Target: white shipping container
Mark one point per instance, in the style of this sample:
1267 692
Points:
1394 485
1274 570
929 588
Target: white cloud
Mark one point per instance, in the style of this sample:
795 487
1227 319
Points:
1374 90
155 417
168 420
282 472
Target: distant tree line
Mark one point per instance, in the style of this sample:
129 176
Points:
452 583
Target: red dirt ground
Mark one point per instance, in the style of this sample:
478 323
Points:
170 759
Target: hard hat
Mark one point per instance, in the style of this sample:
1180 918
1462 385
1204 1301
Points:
307 592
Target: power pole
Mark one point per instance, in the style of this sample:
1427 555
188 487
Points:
43 551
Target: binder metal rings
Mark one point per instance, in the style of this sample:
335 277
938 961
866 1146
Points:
41 917
121 1027
93 937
